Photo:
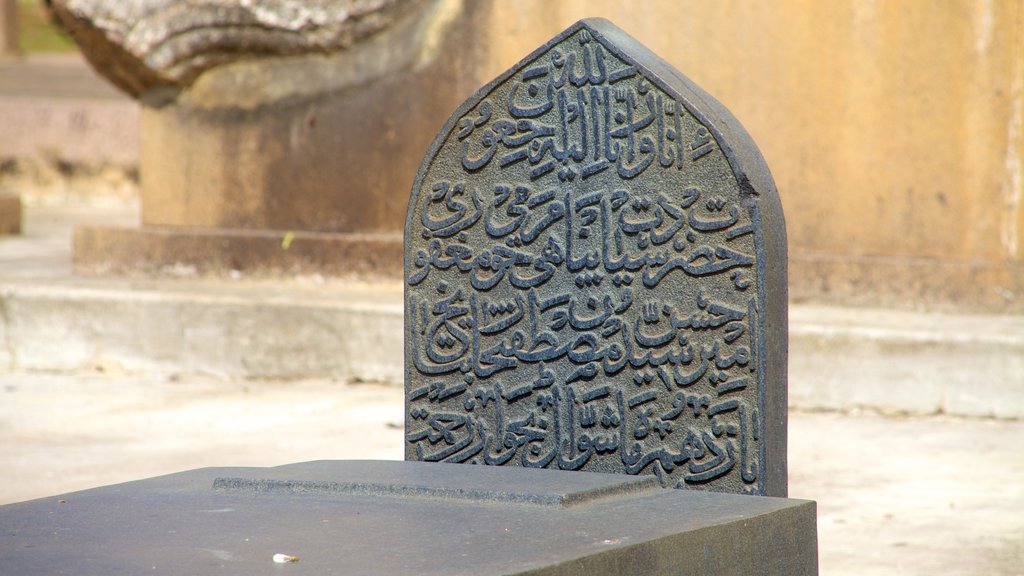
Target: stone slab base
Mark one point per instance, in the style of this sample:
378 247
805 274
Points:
10 214
380 517
147 250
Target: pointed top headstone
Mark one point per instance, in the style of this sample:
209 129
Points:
595 277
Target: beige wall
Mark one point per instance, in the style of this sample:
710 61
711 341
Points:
893 128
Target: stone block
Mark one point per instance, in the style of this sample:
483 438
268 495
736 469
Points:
363 517
901 362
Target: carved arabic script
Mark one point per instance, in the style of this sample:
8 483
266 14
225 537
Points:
581 283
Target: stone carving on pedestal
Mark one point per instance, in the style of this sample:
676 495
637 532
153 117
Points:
269 138
145 44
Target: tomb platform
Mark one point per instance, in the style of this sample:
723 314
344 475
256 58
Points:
379 517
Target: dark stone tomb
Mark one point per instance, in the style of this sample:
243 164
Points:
398 518
596 280
596 277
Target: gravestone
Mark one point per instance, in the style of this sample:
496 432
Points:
613 308
595 277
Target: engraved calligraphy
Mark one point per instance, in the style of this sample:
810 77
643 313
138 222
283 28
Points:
582 282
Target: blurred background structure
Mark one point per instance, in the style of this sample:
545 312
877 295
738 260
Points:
220 193
893 129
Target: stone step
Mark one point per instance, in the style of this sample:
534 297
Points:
304 328
898 361
215 328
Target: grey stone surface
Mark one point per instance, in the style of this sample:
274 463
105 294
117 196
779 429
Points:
146 44
234 327
596 277
276 334
406 518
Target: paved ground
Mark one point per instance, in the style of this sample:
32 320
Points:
896 495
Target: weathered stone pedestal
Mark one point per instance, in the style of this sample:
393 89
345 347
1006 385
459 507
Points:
365 517
274 139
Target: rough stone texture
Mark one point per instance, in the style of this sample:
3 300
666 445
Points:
334 516
10 214
596 277
309 143
302 143
140 45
